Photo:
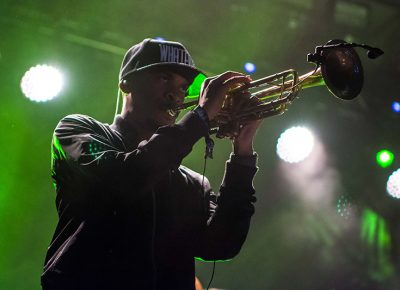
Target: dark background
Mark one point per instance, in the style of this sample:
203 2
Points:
326 223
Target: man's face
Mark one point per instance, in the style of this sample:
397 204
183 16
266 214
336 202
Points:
155 93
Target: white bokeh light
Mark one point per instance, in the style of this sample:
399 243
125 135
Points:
295 144
42 83
393 184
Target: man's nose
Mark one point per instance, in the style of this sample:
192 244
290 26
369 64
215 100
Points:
175 96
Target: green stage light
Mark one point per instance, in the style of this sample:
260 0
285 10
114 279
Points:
384 158
194 89
376 234
42 83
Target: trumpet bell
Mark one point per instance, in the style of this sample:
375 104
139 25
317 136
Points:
342 71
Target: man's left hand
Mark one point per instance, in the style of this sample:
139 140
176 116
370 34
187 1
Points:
243 142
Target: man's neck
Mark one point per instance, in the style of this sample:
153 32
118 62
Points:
141 129
138 127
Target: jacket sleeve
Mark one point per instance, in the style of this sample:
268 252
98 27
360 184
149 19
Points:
88 152
229 214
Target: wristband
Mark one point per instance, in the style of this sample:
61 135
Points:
250 161
199 111
202 113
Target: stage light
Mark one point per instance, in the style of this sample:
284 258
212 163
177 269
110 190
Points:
384 158
396 107
393 184
42 83
295 144
344 206
249 67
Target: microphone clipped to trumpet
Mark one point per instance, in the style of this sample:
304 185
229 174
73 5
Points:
338 66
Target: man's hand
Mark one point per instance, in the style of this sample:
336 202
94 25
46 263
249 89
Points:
243 143
214 90
212 96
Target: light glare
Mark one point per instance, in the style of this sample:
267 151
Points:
393 184
384 158
396 107
41 83
295 144
249 67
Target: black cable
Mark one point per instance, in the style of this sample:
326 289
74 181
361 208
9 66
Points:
202 186
204 172
212 276
153 239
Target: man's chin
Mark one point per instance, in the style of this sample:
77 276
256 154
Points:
161 122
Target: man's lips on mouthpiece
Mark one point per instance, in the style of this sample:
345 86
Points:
172 112
171 109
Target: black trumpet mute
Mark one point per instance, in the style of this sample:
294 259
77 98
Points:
341 66
342 70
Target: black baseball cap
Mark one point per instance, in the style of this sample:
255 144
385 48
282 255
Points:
158 53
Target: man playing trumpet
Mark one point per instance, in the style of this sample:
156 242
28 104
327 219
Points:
130 215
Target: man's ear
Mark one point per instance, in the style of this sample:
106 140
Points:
125 86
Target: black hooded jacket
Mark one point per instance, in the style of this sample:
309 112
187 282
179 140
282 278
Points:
131 216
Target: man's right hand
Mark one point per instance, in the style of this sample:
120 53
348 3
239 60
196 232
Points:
214 90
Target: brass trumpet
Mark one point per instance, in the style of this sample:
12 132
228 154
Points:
338 66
